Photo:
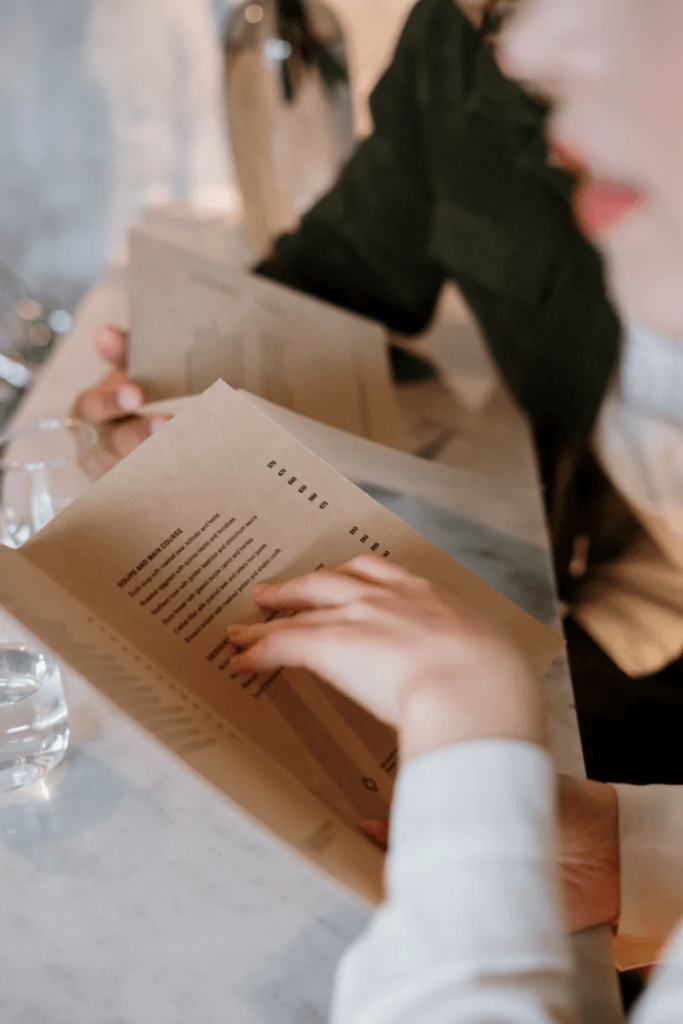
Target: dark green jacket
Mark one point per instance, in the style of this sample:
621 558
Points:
453 184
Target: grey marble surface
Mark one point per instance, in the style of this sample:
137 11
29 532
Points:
130 891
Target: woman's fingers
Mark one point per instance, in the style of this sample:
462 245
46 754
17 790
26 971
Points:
248 633
124 436
112 344
327 589
298 647
115 441
374 570
377 829
317 590
112 398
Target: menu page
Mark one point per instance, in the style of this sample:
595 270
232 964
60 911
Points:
194 320
207 742
159 557
366 462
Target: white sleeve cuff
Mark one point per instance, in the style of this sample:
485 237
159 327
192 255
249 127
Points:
471 926
651 851
482 798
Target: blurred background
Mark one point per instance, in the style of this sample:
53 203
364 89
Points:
111 108
105 106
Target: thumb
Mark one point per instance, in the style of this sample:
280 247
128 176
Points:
377 829
112 344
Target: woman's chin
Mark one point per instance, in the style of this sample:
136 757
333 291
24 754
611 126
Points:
645 273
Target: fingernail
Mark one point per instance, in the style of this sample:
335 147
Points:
104 334
157 422
259 588
110 333
128 399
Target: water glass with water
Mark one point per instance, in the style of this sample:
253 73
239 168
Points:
40 474
34 724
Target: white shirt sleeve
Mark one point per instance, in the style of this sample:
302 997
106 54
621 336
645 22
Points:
471 931
651 848
651 851
663 998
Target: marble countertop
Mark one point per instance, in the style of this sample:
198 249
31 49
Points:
133 893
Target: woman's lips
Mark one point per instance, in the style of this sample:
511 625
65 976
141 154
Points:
598 204
601 205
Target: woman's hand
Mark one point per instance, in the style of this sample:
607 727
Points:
411 653
589 851
112 406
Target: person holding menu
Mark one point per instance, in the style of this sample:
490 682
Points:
645 256
455 183
458 159
471 928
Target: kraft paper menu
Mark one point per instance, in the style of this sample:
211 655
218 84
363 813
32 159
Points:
195 320
135 584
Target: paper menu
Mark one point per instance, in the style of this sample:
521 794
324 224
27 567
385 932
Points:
135 584
366 462
247 774
194 320
206 232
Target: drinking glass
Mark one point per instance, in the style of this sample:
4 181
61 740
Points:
34 724
40 474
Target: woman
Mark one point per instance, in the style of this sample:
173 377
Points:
615 73
471 930
454 184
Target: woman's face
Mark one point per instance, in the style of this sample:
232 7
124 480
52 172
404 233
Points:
615 70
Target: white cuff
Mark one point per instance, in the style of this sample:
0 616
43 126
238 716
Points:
651 851
484 798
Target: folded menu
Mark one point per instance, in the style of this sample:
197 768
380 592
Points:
136 583
195 319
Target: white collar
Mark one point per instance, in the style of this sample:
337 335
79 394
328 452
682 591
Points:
650 375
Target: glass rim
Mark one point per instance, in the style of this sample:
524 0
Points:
26 644
53 423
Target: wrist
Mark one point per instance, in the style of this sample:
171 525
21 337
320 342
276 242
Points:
440 712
